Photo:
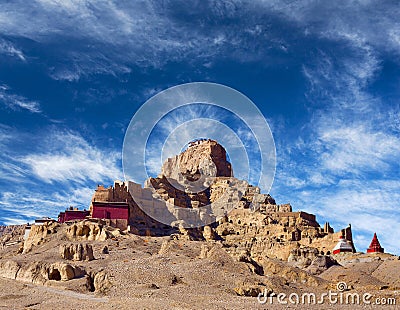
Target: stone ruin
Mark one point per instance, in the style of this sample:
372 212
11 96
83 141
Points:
198 185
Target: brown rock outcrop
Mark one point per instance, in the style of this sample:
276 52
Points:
320 264
208 233
38 235
202 158
9 269
101 281
251 289
76 252
292 274
39 272
87 230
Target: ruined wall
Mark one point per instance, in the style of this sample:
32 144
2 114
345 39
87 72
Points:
276 235
328 240
139 222
102 194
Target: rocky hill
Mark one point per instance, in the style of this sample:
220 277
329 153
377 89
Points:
250 245
198 187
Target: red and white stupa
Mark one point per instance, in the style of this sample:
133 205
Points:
342 246
375 246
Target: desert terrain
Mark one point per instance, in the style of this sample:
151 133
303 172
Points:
259 255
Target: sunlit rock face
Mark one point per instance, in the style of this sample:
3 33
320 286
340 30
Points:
202 158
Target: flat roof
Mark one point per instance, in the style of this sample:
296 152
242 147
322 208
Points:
110 204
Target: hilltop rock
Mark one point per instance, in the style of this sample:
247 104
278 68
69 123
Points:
202 158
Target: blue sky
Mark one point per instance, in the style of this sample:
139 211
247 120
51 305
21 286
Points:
325 75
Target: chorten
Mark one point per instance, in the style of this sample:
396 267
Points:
375 246
342 246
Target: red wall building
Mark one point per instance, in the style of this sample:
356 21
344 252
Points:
110 210
72 214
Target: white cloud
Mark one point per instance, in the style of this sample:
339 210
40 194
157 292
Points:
139 29
17 102
69 157
26 205
72 162
7 48
55 156
4 133
357 150
77 197
10 169
145 34
358 23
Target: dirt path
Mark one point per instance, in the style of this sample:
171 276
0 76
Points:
68 293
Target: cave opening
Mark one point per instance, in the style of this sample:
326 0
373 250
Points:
55 275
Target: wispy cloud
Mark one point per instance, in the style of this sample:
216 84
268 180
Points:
17 102
358 150
25 205
348 22
70 158
150 33
42 183
8 49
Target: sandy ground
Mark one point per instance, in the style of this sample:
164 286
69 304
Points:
178 277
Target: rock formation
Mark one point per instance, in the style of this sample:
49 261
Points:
101 281
87 230
76 252
320 264
38 235
203 158
235 212
39 272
